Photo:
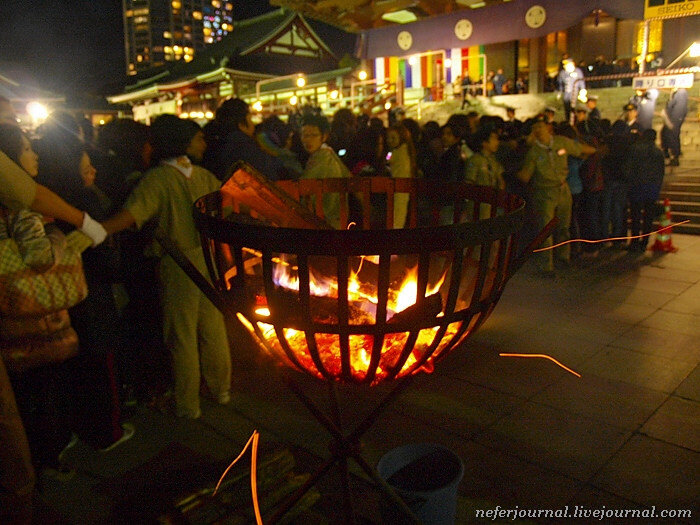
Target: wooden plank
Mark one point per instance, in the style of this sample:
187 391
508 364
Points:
249 187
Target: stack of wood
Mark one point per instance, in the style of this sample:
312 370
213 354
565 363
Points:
233 504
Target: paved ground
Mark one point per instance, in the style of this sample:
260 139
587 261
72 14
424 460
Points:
626 435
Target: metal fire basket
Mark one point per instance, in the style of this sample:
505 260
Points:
365 304
350 335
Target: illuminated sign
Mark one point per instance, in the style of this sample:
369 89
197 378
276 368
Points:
670 8
664 82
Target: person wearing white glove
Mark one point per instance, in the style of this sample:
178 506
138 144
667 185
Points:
18 190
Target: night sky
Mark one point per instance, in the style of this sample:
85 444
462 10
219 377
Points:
71 46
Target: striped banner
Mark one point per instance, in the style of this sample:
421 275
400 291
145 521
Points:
379 69
416 72
456 68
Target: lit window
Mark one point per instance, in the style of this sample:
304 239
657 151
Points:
188 58
197 15
206 31
216 3
139 58
167 34
131 66
176 4
129 13
229 6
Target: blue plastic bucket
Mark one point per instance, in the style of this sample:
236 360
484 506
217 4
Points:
426 476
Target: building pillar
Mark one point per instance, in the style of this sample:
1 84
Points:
537 61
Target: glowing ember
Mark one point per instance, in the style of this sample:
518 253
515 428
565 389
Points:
364 299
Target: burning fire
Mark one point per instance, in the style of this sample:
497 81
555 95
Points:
363 298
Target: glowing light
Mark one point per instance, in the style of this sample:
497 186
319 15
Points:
102 122
362 75
412 60
257 106
364 295
333 94
184 115
694 50
625 238
209 114
448 62
301 81
37 111
387 105
543 356
253 443
293 100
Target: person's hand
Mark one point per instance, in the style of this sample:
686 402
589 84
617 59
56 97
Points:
93 229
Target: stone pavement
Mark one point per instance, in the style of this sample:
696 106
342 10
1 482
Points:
625 435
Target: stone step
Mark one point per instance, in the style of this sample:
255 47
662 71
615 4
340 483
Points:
689 228
684 207
678 216
682 185
680 196
682 177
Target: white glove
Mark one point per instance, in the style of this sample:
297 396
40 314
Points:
93 229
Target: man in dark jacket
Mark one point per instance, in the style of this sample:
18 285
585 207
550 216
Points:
592 105
674 115
231 137
644 168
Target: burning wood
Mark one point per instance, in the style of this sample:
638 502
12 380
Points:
430 308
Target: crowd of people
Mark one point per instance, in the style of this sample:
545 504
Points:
163 334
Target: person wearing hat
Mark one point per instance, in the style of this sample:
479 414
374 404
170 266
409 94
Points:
546 169
586 126
592 105
192 326
512 126
570 85
549 113
629 116
645 100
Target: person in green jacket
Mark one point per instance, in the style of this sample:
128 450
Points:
193 328
545 168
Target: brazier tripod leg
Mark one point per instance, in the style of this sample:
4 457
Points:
343 448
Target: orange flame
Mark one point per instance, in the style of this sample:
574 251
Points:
363 296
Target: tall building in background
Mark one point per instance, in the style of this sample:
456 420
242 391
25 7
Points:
160 31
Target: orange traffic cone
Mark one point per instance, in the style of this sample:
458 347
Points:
663 241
